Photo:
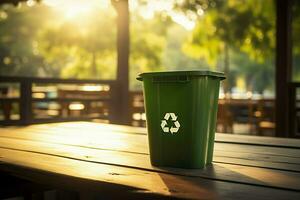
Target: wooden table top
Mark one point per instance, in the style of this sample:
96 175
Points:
114 160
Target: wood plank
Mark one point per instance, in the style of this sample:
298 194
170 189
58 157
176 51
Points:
232 158
269 161
99 140
219 171
260 164
220 137
263 150
92 126
258 140
102 139
258 156
96 138
128 182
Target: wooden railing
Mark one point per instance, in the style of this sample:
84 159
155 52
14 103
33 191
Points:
136 109
31 102
83 102
258 114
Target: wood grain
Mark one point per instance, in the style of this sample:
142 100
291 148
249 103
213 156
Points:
116 158
58 134
219 171
123 181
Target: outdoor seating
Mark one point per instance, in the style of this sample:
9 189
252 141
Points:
135 99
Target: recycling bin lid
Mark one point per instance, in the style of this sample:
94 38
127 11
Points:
190 73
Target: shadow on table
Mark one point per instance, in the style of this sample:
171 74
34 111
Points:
223 181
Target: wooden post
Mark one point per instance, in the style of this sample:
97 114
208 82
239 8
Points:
283 67
122 9
114 104
25 102
292 110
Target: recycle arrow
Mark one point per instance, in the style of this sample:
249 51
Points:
164 123
173 130
167 116
166 129
177 124
173 116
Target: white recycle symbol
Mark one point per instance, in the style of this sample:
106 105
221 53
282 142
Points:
164 123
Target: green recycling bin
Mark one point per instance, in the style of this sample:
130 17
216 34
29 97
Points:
181 111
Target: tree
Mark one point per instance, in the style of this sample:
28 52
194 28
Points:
173 56
19 29
296 40
233 27
147 45
56 46
81 49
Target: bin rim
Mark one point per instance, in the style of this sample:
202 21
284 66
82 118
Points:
190 73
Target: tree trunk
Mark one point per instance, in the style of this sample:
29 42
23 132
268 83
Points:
283 71
122 9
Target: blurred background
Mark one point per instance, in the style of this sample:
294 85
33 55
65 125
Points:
53 40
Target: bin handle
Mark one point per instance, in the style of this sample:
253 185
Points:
171 79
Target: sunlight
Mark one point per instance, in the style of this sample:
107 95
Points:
183 20
155 6
74 9
77 10
76 106
95 88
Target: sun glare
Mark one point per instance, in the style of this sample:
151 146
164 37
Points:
75 9
148 11
79 9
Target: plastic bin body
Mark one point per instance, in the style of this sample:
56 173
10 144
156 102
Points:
181 109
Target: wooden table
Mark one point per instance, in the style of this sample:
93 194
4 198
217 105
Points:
112 161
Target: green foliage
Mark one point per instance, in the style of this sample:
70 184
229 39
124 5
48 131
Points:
296 40
79 49
39 41
258 76
48 44
174 57
203 42
147 45
246 28
247 25
18 29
